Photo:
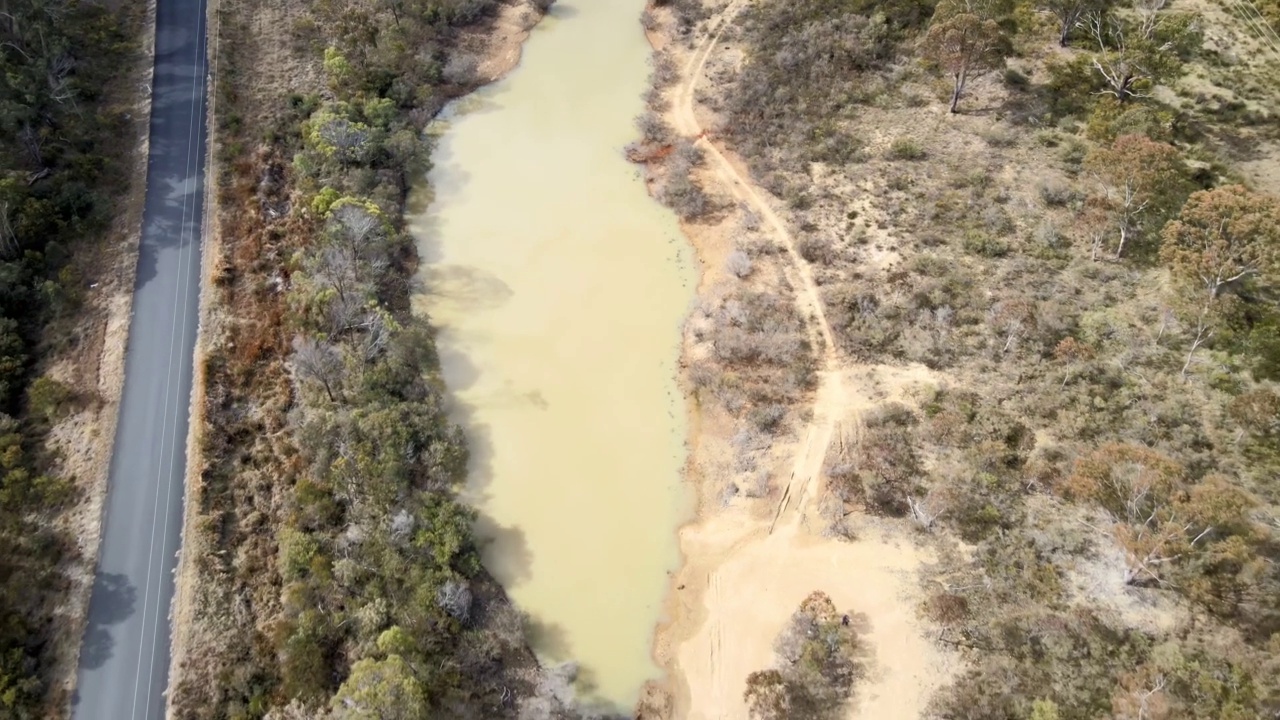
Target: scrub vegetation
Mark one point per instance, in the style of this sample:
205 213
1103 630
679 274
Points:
819 662
336 574
61 165
1067 211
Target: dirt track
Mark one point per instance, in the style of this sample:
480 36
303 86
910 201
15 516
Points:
745 571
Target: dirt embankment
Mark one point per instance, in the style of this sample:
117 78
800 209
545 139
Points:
748 563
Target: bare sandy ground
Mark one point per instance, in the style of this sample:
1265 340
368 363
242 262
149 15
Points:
748 566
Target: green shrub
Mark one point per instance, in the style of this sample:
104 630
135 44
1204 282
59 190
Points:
905 148
48 398
999 137
1072 154
1110 119
1016 80
820 660
1073 84
1048 138
983 503
983 244
58 185
1055 192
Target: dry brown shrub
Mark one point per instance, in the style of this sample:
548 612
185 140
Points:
947 608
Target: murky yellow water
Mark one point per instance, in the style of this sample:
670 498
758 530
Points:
558 288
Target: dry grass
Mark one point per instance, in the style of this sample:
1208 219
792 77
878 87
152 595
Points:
239 377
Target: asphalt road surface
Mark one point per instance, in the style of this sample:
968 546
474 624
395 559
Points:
124 661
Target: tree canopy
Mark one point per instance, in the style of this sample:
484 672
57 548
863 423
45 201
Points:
1224 238
1141 183
964 45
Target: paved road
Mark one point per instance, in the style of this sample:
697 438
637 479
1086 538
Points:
124 662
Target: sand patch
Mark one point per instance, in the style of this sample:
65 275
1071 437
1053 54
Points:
748 566
754 587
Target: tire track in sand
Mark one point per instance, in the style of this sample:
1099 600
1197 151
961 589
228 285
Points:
828 398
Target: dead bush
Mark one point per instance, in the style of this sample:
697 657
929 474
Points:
687 154
758 328
648 20
864 324
738 264
684 196
807 68
1056 192
889 468
947 608
841 470
653 129
681 192
759 340
655 99
768 418
462 69
817 250
665 73
755 484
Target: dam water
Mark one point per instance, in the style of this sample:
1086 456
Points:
557 287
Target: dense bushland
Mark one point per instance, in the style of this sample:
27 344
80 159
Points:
55 171
755 362
338 574
808 68
1082 263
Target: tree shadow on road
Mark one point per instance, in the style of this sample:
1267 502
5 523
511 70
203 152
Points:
114 601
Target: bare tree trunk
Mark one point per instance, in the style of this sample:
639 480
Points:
1008 343
1164 324
925 511
8 237
1148 11
1203 333
1144 703
957 89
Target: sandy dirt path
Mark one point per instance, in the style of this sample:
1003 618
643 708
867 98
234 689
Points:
830 397
735 180
747 571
